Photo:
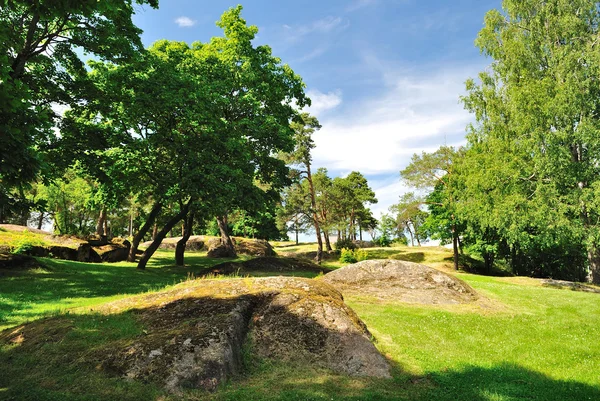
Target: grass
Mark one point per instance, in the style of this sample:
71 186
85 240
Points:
524 342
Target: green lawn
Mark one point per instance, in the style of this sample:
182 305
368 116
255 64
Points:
520 342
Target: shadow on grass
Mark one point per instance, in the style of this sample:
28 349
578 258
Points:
504 382
27 294
397 254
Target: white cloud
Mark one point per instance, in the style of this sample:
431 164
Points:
322 102
322 26
379 135
185 22
358 4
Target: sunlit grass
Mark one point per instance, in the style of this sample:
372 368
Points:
520 341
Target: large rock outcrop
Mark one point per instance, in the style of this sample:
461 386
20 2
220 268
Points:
402 281
267 265
194 334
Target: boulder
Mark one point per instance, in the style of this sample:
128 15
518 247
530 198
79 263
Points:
218 250
11 261
253 247
402 281
268 265
85 253
195 333
63 252
116 251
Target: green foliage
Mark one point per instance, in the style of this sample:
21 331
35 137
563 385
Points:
348 256
344 243
25 241
532 167
40 67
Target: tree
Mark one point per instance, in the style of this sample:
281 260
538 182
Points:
410 217
199 126
38 42
429 170
303 130
294 210
537 122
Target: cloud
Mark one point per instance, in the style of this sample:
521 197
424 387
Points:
358 4
322 102
185 22
415 113
321 26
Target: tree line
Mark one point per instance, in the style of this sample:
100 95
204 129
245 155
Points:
175 134
525 190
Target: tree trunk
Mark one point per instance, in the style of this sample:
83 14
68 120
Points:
412 238
313 204
156 208
594 264
100 226
40 221
296 229
327 243
160 236
154 231
187 232
360 231
488 259
455 246
417 236
225 238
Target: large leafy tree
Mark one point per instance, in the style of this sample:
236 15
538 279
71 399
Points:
197 125
38 68
537 110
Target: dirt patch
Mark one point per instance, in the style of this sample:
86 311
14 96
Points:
402 281
193 335
269 265
570 285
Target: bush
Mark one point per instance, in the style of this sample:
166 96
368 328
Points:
360 254
383 241
25 242
344 244
353 256
348 256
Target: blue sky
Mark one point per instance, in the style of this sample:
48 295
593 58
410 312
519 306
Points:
385 76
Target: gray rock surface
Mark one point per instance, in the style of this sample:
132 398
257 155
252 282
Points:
402 281
195 334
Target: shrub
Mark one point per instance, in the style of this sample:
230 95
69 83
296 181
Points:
347 256
344 244
360 254
383 241
25 242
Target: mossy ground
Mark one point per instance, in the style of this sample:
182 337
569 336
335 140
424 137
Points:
530 342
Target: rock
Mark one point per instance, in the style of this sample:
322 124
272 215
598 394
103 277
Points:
562 284
85 253
39 251
63 252
195 333
253 247
10 261
218 250
268 264
116 251
195 243
402 281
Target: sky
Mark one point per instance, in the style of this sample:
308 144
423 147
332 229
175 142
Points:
385 76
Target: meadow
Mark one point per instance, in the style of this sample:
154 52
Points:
520 341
